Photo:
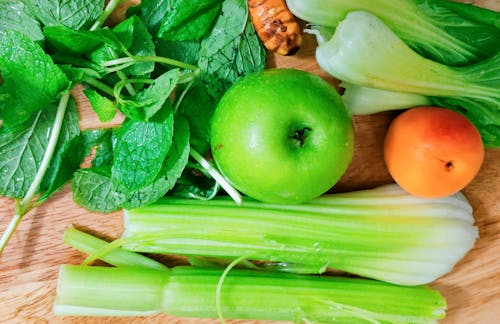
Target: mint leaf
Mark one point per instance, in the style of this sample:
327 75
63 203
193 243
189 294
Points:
184 51
104 108
188 20
93 189
152 13
145 104
13 16
175 163
67 40
137 40
21 153
198 107
70 13
178 155
140 150
31 80
232 50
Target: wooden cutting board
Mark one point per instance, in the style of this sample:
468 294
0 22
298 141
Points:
29 264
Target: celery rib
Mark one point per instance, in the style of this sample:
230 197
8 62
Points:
357 234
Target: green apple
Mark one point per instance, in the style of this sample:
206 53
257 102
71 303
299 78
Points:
282 136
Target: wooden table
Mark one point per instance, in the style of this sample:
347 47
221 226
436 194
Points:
29 264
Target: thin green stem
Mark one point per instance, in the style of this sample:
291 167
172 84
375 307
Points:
128 85
157 59
105 14
181 97
218 289
24 205
100 86
217 176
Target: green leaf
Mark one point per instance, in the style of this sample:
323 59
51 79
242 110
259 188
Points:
189 20
145 104
31 80
152 13
79 74
184 51
70 13
68 40
104 108
67 156
93 189
140 150
21 153
173 166
102 141
137 40
232 50
13 16
198 107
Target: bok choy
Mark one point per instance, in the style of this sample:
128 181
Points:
366 52
382 233
241 294
448 32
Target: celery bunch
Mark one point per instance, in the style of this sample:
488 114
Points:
242 294
381 233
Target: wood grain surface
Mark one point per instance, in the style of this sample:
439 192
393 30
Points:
29 264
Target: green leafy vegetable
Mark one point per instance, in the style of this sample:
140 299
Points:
31 80
70 13
93 189
232 49
140 151
72 41
13 16
188 20
447 32
364 51
104 108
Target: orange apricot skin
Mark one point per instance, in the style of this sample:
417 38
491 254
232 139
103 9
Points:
432 152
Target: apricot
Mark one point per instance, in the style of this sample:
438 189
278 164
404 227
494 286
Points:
432 152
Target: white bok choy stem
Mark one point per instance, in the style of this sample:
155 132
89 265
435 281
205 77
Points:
364 100
382 233
366 52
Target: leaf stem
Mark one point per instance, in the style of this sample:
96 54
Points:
217 176
24 206
146 58
100 86
105 14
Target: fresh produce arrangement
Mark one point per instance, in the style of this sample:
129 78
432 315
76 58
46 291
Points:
227 163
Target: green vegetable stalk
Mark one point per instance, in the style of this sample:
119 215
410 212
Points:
241 294
382 233
366 52
445 31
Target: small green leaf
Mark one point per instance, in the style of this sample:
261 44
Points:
135 37
152 13
140 150
93 189
198 107
145 104
104 108
232 50
70 13
13 16
189 20
68 40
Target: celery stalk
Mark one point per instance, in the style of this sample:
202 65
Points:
382 233
118 257
191 292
